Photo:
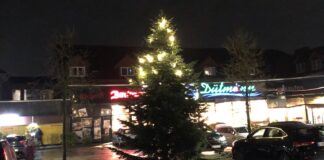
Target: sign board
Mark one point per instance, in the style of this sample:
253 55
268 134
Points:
221 89
124 94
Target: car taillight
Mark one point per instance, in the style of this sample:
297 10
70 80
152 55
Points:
22 142
300 144
5 155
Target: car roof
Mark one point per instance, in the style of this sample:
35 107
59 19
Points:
288 124
269 127
14 136
224 126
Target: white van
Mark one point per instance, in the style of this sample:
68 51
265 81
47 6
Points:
232 133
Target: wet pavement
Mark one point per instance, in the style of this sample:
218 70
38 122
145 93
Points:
98 152
320 155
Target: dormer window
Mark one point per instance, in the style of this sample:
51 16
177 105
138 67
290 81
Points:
210 71
77 71
126 71
300 67
316 65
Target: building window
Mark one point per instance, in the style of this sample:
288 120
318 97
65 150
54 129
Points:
46 94
126 71
77 72
316 65
210 71
16 95
300 67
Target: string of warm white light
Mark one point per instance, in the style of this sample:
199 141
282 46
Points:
163 27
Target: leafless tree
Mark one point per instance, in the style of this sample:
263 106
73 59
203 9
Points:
246 63
62 51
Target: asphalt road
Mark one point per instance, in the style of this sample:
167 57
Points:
98 152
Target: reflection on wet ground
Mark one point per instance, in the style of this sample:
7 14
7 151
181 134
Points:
98 152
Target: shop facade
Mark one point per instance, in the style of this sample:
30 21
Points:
294 99
97 111
24 117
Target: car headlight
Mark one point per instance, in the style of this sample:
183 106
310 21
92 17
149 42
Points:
222 138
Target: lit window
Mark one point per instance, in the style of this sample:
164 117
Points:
77 71
316 65
126 71
105 112
300 67
210 71
16 95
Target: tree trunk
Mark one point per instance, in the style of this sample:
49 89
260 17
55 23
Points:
64 123
247 107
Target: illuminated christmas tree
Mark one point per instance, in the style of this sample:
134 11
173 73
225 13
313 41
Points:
167 124
162 56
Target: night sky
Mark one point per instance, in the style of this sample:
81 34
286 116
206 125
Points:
26 26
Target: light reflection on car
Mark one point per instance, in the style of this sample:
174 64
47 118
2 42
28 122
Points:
279 141
215 140
18 143
232 133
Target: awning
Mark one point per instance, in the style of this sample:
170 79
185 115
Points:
32 107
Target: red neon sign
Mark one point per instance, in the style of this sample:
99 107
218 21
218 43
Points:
115 94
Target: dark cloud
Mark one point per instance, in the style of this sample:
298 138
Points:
26 26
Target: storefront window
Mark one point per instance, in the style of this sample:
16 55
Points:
296 113
317 115
259 111
118 113
277 114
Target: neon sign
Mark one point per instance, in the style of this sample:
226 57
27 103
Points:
116 94
213 89
88 96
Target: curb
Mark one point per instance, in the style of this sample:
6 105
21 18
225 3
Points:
131 153
48 147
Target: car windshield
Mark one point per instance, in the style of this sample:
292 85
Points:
214 134
15 140
241 129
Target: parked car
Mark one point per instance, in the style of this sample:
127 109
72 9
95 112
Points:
18 143
279 141
241 132
214 125
320 142
215 140
118 138
232 133
6 151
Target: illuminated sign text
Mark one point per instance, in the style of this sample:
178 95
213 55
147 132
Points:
116 94
214 89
